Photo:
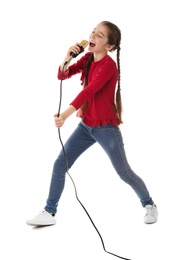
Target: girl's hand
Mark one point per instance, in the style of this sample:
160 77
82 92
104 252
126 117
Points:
79 113
75 49
59 120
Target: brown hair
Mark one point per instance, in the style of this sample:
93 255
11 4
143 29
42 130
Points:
114 38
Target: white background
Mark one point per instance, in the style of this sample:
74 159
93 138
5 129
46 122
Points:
35 36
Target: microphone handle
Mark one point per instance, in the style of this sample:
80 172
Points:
76 54
73 55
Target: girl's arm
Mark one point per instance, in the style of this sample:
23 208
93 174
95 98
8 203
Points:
60 119
76 50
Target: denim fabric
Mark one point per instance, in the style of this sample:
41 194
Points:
110 139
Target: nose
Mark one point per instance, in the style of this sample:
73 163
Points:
93 36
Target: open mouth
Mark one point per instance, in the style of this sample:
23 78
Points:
92 44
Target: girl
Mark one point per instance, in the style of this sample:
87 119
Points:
100 109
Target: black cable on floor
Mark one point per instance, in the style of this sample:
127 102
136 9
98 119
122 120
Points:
60 101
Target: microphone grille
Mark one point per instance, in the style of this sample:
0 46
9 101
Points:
84 43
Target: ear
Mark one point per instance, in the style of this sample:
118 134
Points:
109 47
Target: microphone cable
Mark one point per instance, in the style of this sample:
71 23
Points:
59 134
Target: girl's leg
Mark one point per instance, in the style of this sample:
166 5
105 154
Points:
77 143
110 139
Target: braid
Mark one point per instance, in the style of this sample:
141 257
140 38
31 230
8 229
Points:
90 59
114 38
118 91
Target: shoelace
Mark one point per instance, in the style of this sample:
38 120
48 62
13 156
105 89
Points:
41 213
149 211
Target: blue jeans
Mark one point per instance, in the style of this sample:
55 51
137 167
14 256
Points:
110 139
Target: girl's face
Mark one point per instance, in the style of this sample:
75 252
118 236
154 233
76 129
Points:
98 40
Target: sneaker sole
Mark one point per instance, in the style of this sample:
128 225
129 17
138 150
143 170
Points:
40 225
151 222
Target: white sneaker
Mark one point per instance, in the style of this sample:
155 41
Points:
44 218
151 214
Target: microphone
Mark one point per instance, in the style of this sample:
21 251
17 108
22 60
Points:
82 46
